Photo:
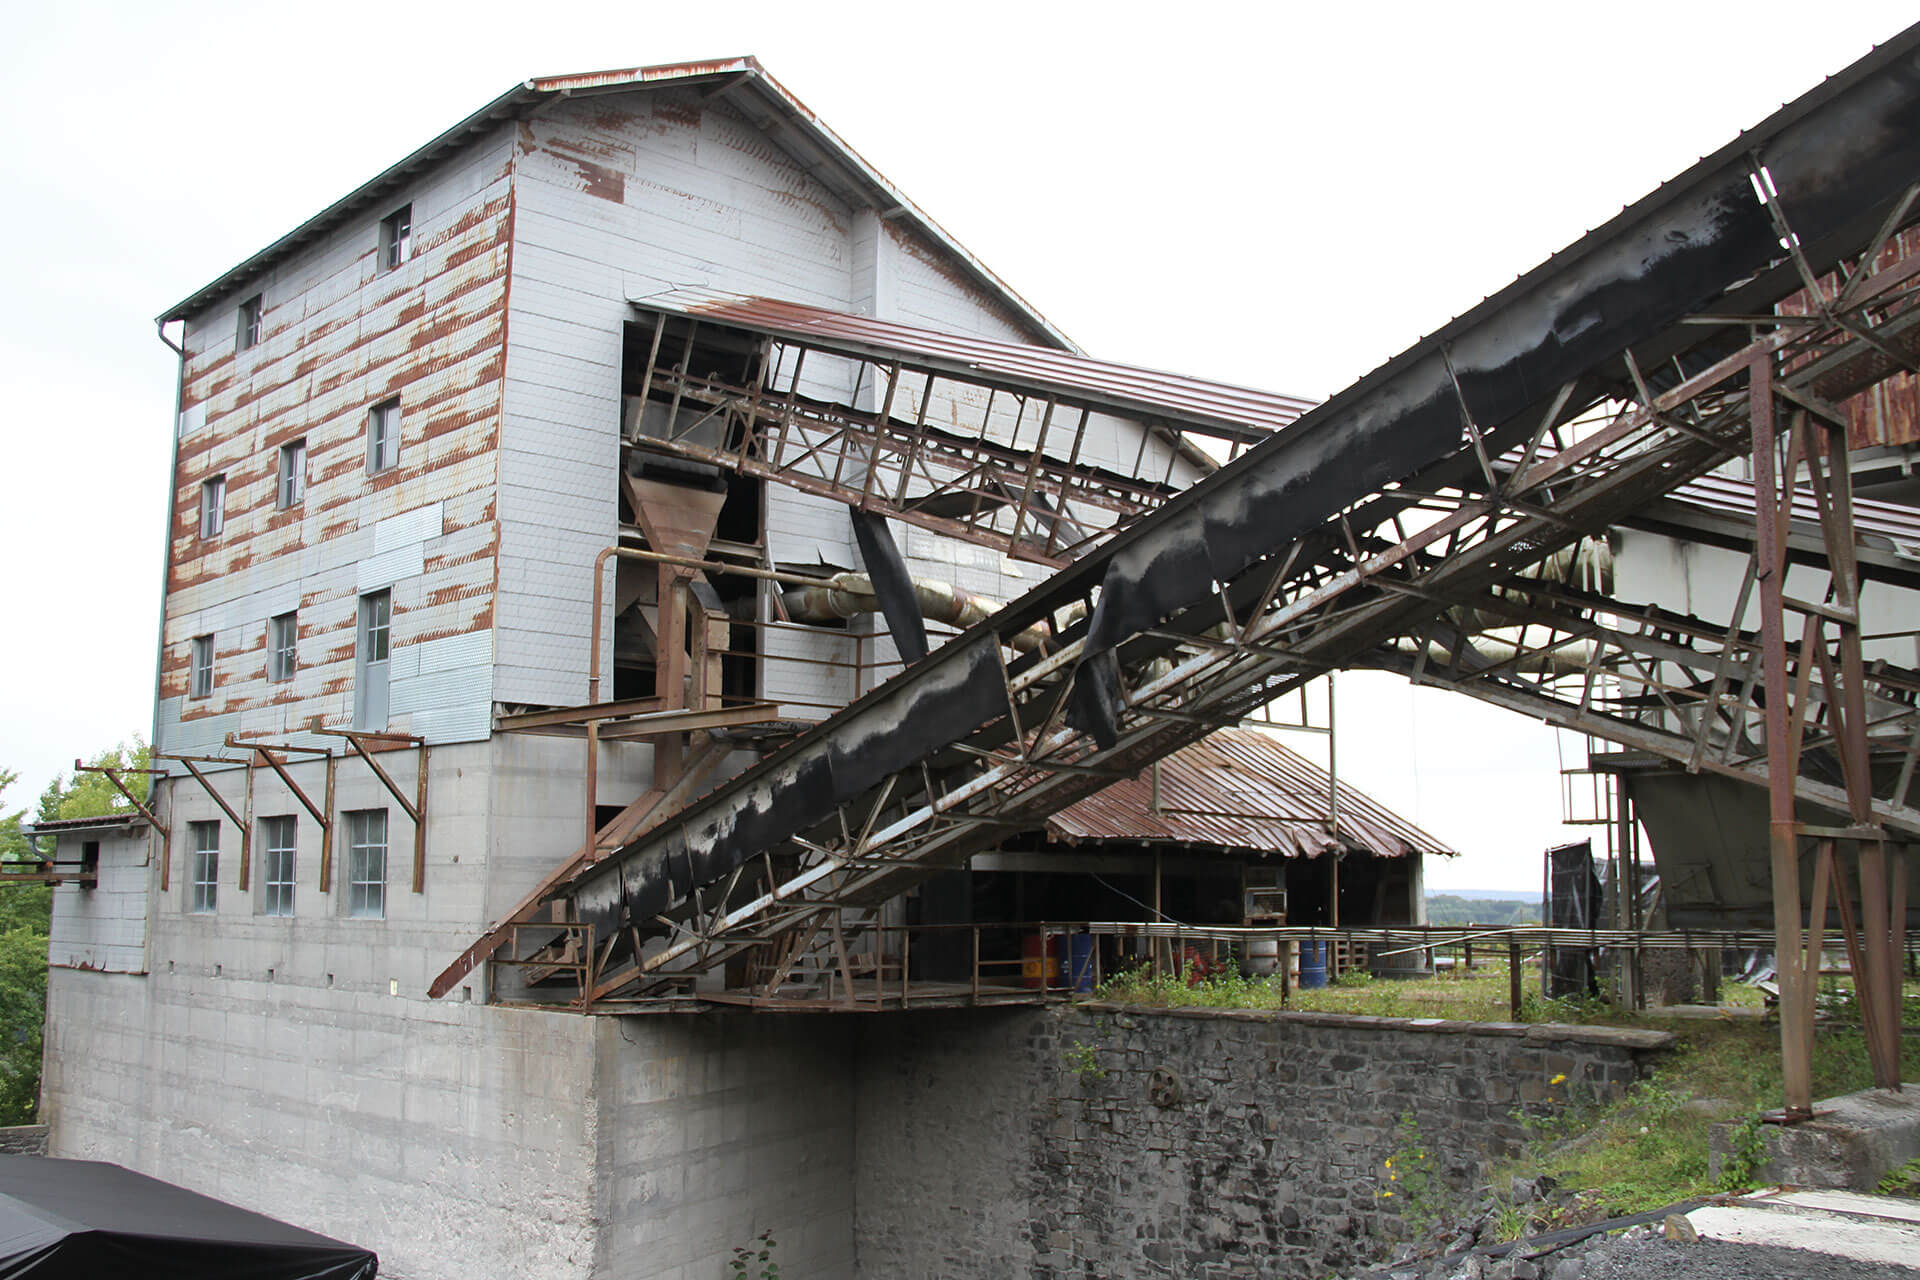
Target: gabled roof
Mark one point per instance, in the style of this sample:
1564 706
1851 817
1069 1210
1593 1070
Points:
741 82
1239 789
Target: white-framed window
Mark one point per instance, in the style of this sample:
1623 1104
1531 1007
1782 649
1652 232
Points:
283 642
396 237
203 890
276 864
213 506
383 435
376 626
292 485
247 323
367 863
200 667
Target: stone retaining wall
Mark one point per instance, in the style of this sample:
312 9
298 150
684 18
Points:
1098 1141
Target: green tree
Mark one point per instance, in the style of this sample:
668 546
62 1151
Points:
90 795
25 911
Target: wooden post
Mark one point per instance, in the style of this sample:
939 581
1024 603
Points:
1513 981
976 964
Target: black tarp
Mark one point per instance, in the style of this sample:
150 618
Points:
75 1218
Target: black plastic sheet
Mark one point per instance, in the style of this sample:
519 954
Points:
75 1218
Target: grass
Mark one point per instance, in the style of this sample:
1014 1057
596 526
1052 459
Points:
1649 1149
1479 996
1641 1152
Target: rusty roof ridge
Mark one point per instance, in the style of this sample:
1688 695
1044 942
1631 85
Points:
748 69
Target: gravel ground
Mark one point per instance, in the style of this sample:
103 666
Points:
1653 1256
1644 1252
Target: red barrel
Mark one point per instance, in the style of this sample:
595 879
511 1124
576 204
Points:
1037 971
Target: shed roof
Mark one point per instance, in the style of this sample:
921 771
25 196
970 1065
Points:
742 82
1240 789
1898 524
1237 412
65 826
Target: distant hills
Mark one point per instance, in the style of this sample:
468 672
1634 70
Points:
1499 895
1474 906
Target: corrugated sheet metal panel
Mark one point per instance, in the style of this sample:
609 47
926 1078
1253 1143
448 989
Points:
1898 524
338 335
1101 383
1887 413
1240 789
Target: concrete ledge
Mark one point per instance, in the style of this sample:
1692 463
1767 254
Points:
1852 1141
1632 1038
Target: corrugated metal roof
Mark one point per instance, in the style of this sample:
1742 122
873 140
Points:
1240 789
1241 411
764 99
55 826
1899 525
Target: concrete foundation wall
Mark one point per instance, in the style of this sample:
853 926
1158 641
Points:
456 1140
1059 1143
715 1128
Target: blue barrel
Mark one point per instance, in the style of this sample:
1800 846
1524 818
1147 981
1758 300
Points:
1080 962
1313 965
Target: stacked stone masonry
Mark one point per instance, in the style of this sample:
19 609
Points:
1101 1142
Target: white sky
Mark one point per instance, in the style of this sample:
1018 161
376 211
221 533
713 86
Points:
1255 193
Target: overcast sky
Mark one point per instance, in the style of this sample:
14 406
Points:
1263 194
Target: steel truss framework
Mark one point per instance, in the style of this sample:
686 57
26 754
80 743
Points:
944 445
1416 573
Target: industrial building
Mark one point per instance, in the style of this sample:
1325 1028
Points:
471 580
537 634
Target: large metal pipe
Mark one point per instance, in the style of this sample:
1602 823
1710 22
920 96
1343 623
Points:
848 595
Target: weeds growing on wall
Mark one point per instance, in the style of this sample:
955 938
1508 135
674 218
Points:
755 1261
1408 1185
1084 1061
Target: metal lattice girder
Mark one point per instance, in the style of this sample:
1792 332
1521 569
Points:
1561 406
981 440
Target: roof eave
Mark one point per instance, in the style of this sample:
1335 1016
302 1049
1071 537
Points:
733 73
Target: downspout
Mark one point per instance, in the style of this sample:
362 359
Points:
166 542
166 563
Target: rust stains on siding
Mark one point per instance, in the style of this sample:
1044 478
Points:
341 335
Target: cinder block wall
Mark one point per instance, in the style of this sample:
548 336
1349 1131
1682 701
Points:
1100 1142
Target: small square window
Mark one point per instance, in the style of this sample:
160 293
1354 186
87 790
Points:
200 667
213 506
396 237
283 637
367 863
292 486
383 436
247 324
204 888
277 836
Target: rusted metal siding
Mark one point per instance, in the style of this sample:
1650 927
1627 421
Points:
1239 789
340 335
1887 413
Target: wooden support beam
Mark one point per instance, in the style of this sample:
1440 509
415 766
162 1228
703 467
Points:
146 814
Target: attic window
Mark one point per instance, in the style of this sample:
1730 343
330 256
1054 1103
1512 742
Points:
247 324
396 237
